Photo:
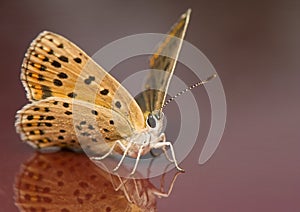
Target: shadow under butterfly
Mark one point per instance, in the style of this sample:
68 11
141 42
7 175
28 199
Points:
67 181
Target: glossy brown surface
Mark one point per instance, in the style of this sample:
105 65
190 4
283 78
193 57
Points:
255 49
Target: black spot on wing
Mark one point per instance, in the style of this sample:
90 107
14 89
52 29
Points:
72 95
104 92
89 80
50 118
77 60
63 58
94 112
30 117
56 64
57 82
42 67
50 51
66 105
62 75
118 104
68 112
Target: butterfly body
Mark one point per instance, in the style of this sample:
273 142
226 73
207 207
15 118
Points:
76 104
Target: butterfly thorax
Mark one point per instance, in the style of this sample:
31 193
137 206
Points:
143 141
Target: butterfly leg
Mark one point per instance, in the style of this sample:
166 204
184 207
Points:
160 192
162 138
124 154
110 151
137 160
164 143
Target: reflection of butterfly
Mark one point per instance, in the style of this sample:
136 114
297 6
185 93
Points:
74 99
66 181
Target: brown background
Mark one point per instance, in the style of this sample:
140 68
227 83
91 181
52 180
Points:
255 48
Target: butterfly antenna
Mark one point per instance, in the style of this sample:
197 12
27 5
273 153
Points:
188 89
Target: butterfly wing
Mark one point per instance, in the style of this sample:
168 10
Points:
163 63
55 67
56 122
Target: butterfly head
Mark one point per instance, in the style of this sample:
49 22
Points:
156 121
153 133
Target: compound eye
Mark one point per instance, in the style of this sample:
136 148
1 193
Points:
151 122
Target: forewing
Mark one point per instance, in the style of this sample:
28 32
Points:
55 67
163 63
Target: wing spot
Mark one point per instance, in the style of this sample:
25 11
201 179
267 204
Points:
36 109
105 130
68 112
62 75
41 117
94 112
56 64
104 92
118 104
63 58
60 137
89 80
62 131
43 68
57 82
41 77
50 118
77 60
66 105
111 122
45 59
50 51
85 134
72 95
48 124
47 109
30 117
60 46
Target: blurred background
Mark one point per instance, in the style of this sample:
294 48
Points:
253 45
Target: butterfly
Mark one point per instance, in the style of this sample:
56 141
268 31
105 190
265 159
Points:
76 104
67 181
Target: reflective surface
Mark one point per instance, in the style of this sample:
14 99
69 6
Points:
254 47
67 181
